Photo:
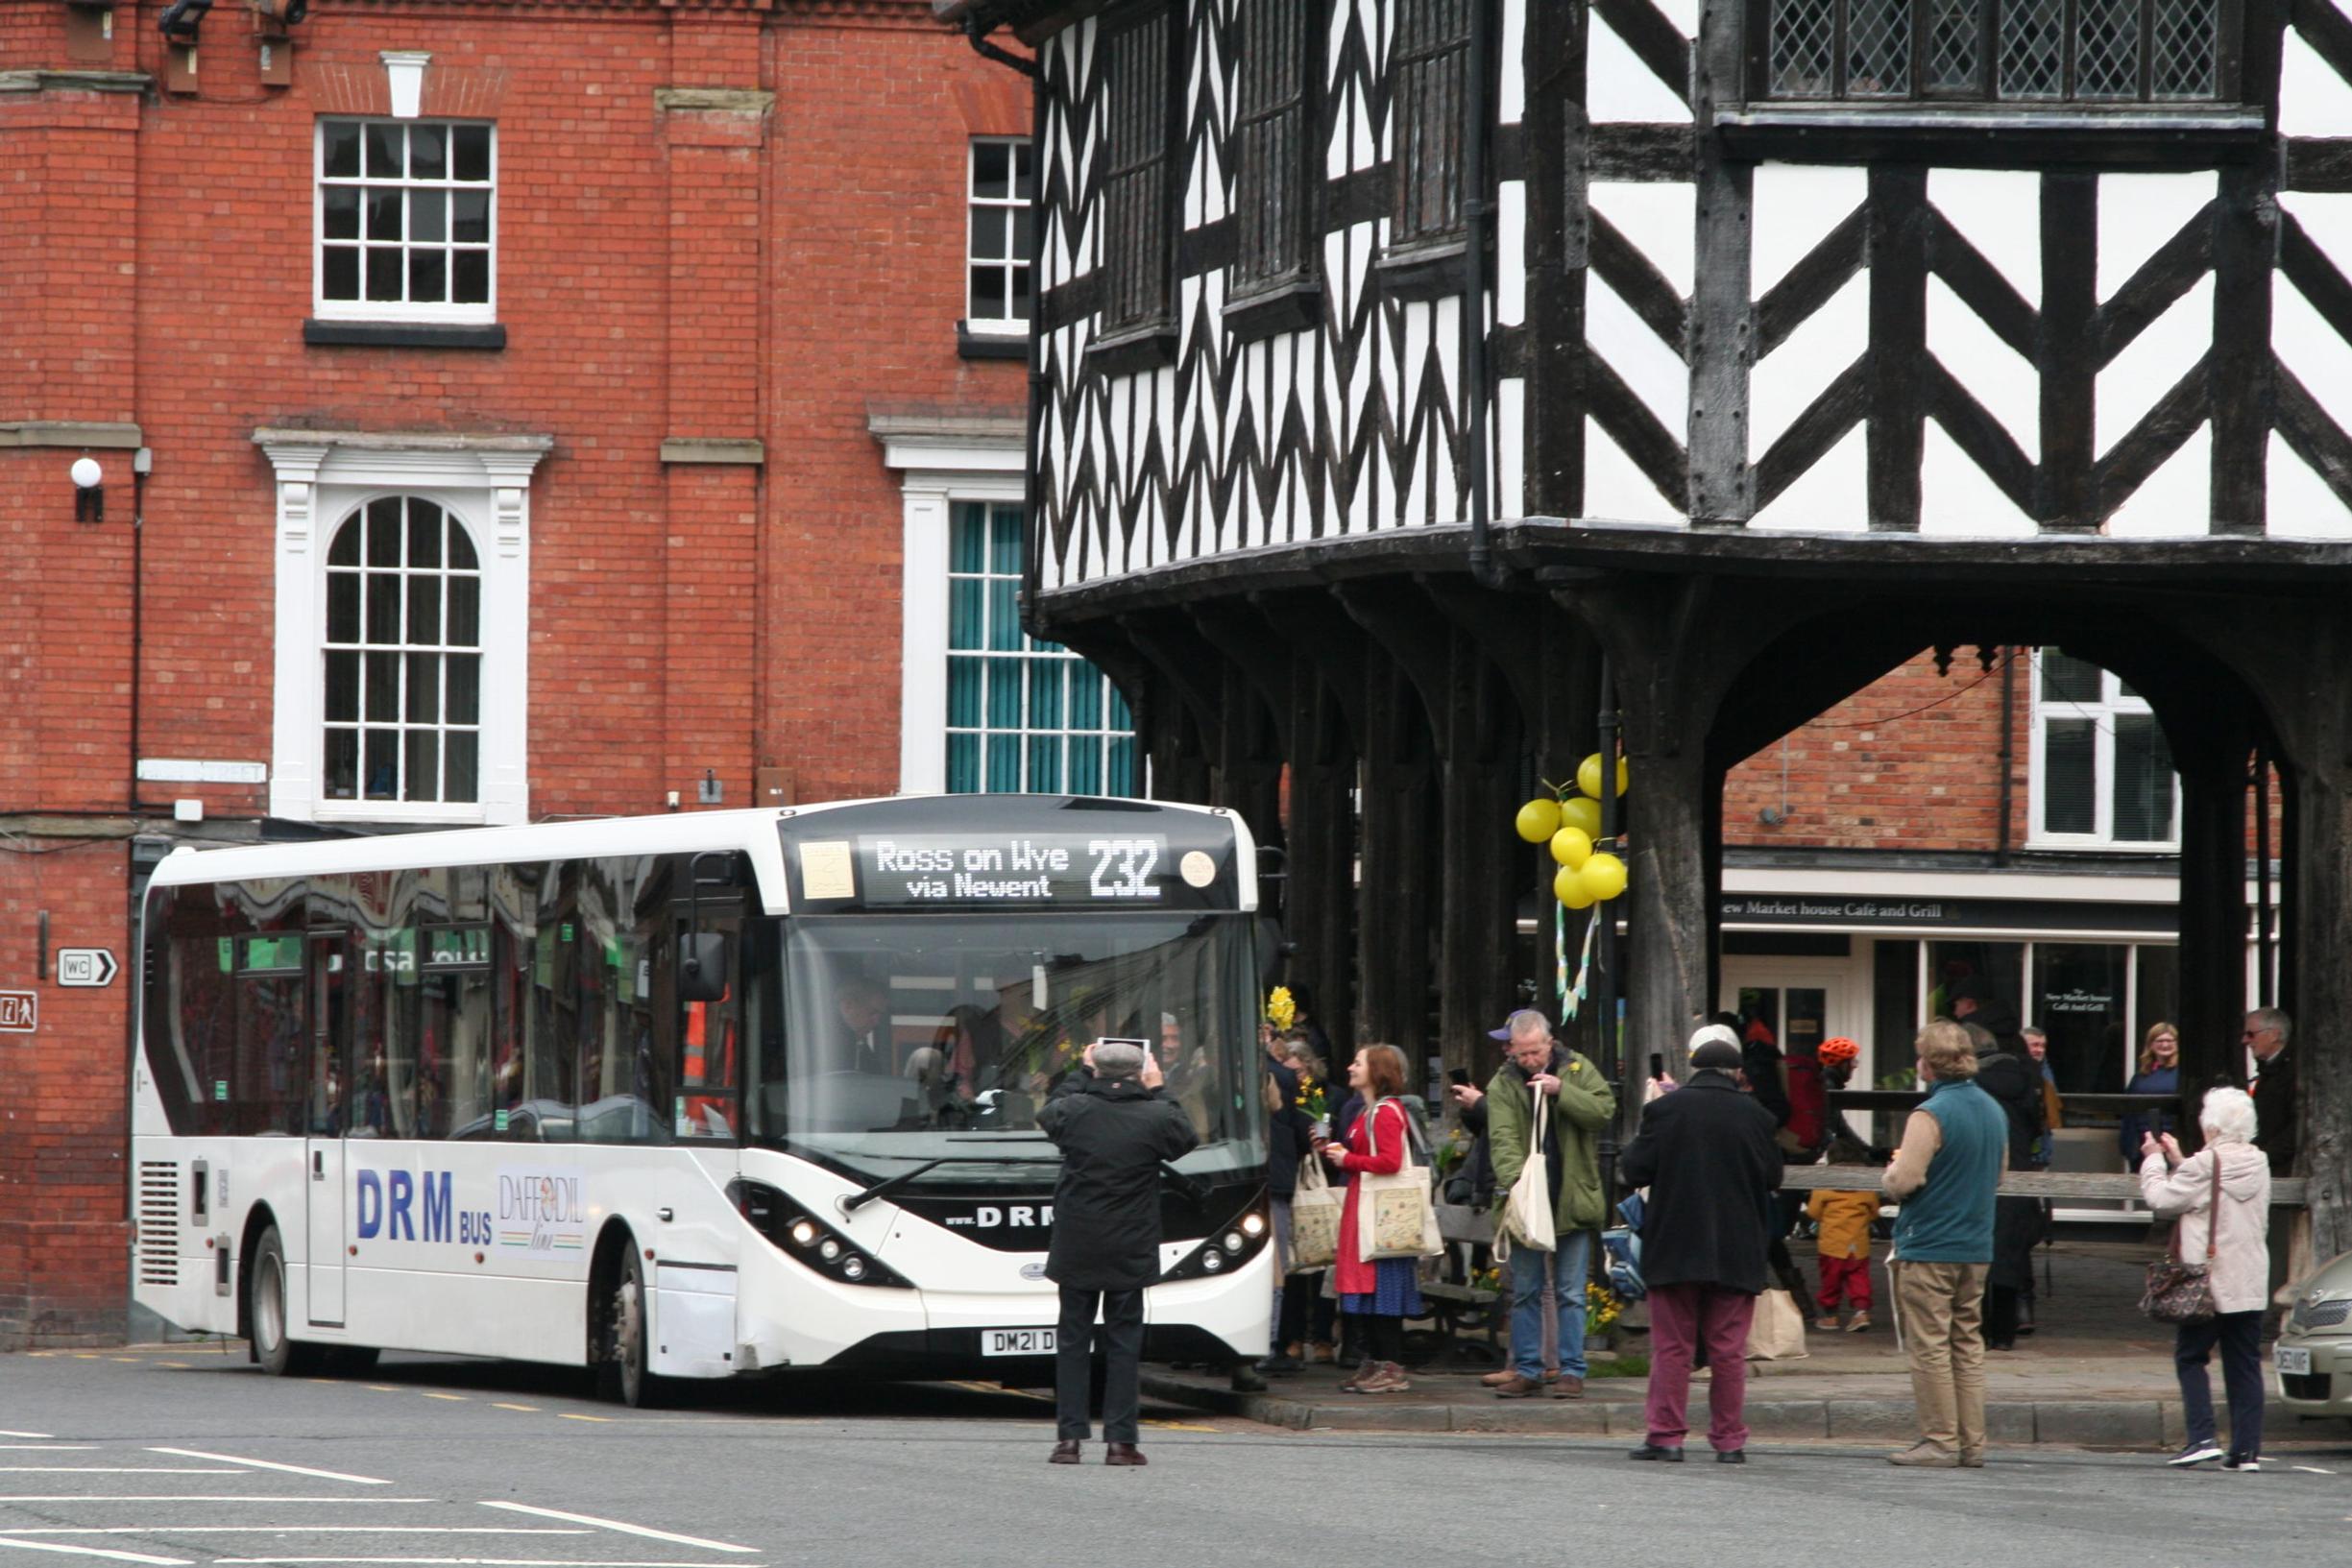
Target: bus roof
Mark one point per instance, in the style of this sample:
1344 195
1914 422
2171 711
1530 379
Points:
755 832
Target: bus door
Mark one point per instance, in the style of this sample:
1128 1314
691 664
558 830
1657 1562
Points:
322 1163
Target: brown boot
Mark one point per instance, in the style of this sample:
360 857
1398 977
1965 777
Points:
1065 1452
1388 1377
1123 1454
1570 1387
1495 1380
1517 1387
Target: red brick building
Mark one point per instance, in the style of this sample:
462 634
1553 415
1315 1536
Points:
2012 820
499 412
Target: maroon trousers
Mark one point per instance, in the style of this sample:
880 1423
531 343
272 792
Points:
1682 1318
1846 1276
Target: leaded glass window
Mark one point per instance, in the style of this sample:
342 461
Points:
996 247
1138 147
1022 714
403 650
1271 126
1431 72
2006 51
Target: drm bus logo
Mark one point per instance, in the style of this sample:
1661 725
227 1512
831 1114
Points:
389 1206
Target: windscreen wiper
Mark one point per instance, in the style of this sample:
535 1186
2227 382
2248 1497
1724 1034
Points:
1192 1187
887 1186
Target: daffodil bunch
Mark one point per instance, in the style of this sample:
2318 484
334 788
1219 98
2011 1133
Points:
1602 1308
1281 1008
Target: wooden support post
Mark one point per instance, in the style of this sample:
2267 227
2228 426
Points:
1397 903
1898 342
1557 139
2213 911
2065 355
1722 332
1480 864
2320 908
1319 904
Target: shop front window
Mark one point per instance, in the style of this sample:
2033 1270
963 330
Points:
2080 994
1977 982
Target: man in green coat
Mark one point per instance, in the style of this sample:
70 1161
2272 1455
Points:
1579 1106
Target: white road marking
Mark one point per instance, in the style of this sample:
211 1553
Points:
7 1535
199 1497
59 1446
273 1464
478 1562
614 1524
114 1470
96 1552
2314 1470
6 1433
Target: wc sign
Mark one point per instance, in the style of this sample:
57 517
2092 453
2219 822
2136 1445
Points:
86 967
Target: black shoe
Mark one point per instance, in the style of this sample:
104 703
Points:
1732 1456
1350 1358
1281 1366
1651 1450
1065 1452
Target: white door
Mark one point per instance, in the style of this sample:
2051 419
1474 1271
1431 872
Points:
1800 1002
324 1261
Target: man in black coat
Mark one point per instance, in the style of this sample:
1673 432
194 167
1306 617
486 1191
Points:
1113 1130
1708 1155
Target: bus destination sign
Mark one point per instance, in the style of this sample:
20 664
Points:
1099 870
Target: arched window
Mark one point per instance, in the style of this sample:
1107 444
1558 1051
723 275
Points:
404 648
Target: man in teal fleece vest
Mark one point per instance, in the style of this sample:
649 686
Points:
1955 1149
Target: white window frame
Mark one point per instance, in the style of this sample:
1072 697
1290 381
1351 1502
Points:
483 482
448 313
937 464
2113 701
1000 326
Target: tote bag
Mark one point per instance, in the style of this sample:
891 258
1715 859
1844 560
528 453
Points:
1315 1220
1526 1219
1395 1215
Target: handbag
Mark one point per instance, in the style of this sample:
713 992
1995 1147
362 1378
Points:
2182 1292
1396 1216
1315 1220
1526 1219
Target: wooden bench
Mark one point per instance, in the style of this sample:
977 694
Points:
2286 1192
1455 1307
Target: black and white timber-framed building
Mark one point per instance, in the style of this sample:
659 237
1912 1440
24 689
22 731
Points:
1407 373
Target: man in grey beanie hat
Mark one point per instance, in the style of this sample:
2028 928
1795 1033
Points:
1114 1129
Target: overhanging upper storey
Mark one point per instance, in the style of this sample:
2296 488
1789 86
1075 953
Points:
1970 270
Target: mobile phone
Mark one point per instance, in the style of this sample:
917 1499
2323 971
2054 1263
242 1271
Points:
1459 1074
1137 1041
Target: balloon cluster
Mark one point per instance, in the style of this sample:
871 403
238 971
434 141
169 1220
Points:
1570 823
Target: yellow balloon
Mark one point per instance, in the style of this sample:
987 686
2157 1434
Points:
1571 847
1568 887
1588 775
1603 876
1539 820
1582 813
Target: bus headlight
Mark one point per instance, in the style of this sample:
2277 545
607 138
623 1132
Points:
1254 1224
809 1241
1212 1261
1234 1242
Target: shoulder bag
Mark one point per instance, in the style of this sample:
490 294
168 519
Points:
2182 1292
1396 1216
1526 1218
1315 1220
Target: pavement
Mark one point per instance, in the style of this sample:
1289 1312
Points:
2094 1373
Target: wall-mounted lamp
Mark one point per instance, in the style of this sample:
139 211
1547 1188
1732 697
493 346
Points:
89 491
182 18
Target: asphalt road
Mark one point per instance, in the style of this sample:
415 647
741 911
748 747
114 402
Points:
165 1457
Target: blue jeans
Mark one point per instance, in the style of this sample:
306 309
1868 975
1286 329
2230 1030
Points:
1527 1265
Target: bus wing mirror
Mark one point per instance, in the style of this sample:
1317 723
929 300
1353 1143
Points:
1274 951
702 966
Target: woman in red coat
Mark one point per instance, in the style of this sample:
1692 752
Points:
1380 1294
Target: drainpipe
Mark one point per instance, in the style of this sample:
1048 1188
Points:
1478 217
976 33
2008 753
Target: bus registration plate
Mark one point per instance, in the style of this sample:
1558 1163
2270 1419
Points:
2294 1360
1017 1342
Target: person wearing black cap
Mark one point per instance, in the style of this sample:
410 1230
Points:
1708 1155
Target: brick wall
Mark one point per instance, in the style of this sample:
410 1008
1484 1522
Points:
728 267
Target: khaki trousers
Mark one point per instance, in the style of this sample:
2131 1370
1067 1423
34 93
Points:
1940 1309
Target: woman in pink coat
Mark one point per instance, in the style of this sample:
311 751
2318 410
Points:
1382 1293
2232 1221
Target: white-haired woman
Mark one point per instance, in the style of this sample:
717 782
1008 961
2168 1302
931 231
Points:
2232 1220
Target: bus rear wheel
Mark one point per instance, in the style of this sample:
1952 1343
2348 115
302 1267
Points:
265 1313
621 1373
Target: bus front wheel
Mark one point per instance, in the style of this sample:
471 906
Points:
621 1375
265 1312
